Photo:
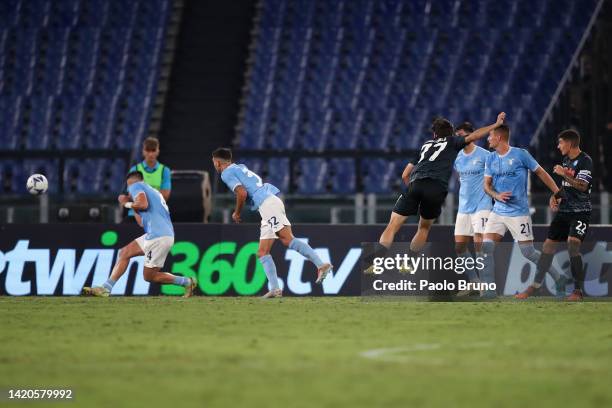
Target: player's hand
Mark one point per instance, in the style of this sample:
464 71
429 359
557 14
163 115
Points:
559 170
501 118
554 203
236 217
503 197
123 198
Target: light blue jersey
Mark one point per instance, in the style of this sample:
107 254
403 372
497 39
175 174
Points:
155 219
239 175
471 168
509 173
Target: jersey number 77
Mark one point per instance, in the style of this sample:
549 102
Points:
438 147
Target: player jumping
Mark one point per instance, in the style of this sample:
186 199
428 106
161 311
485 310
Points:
248 186
505 180
152 214
474 203
573 212
427 186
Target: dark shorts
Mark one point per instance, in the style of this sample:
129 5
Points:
424 197
566 225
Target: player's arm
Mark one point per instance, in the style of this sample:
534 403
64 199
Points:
166 184
555 199
241 196
578 184
483 131
140 202
138 218
547 180
488 188
406 173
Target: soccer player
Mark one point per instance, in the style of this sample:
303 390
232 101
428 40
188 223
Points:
427 186
573 213
505 180
152 214
155 173
474 203
249 188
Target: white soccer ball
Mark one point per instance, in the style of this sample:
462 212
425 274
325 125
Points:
37 184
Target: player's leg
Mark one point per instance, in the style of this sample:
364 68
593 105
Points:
126 253
407 204
420 237
287 238
494 231
577 268
395 223
463 235
433 195
478 222
478 238
269 267
156 251
544 263
521 228
577 232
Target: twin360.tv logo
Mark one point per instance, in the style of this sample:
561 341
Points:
222 267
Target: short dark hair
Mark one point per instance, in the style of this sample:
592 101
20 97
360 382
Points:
442 127
223 153
570 135
466 126
135 174
504 130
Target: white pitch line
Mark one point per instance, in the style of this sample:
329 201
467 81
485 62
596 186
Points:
402 354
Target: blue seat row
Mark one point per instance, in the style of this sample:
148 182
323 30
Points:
371 75
77 74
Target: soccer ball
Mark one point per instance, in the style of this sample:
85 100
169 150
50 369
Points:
37 184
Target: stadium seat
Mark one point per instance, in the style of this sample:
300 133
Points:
370 75
78 74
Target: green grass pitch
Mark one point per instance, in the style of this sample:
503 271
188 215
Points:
307 352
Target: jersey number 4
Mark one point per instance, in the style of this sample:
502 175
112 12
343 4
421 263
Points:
439 146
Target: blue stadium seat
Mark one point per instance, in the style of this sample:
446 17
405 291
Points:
313 176
79 74
370 75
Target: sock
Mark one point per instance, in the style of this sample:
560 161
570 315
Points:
488 271
543 266
413 254
577 271
270 269
108 284
471 273
530 252
379 251
306 251
182 281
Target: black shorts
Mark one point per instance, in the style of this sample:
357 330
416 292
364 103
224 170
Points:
424 197
569 225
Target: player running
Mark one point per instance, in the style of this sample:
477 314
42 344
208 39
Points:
505 180
152 214
427 188
261 196
573 213
474 203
